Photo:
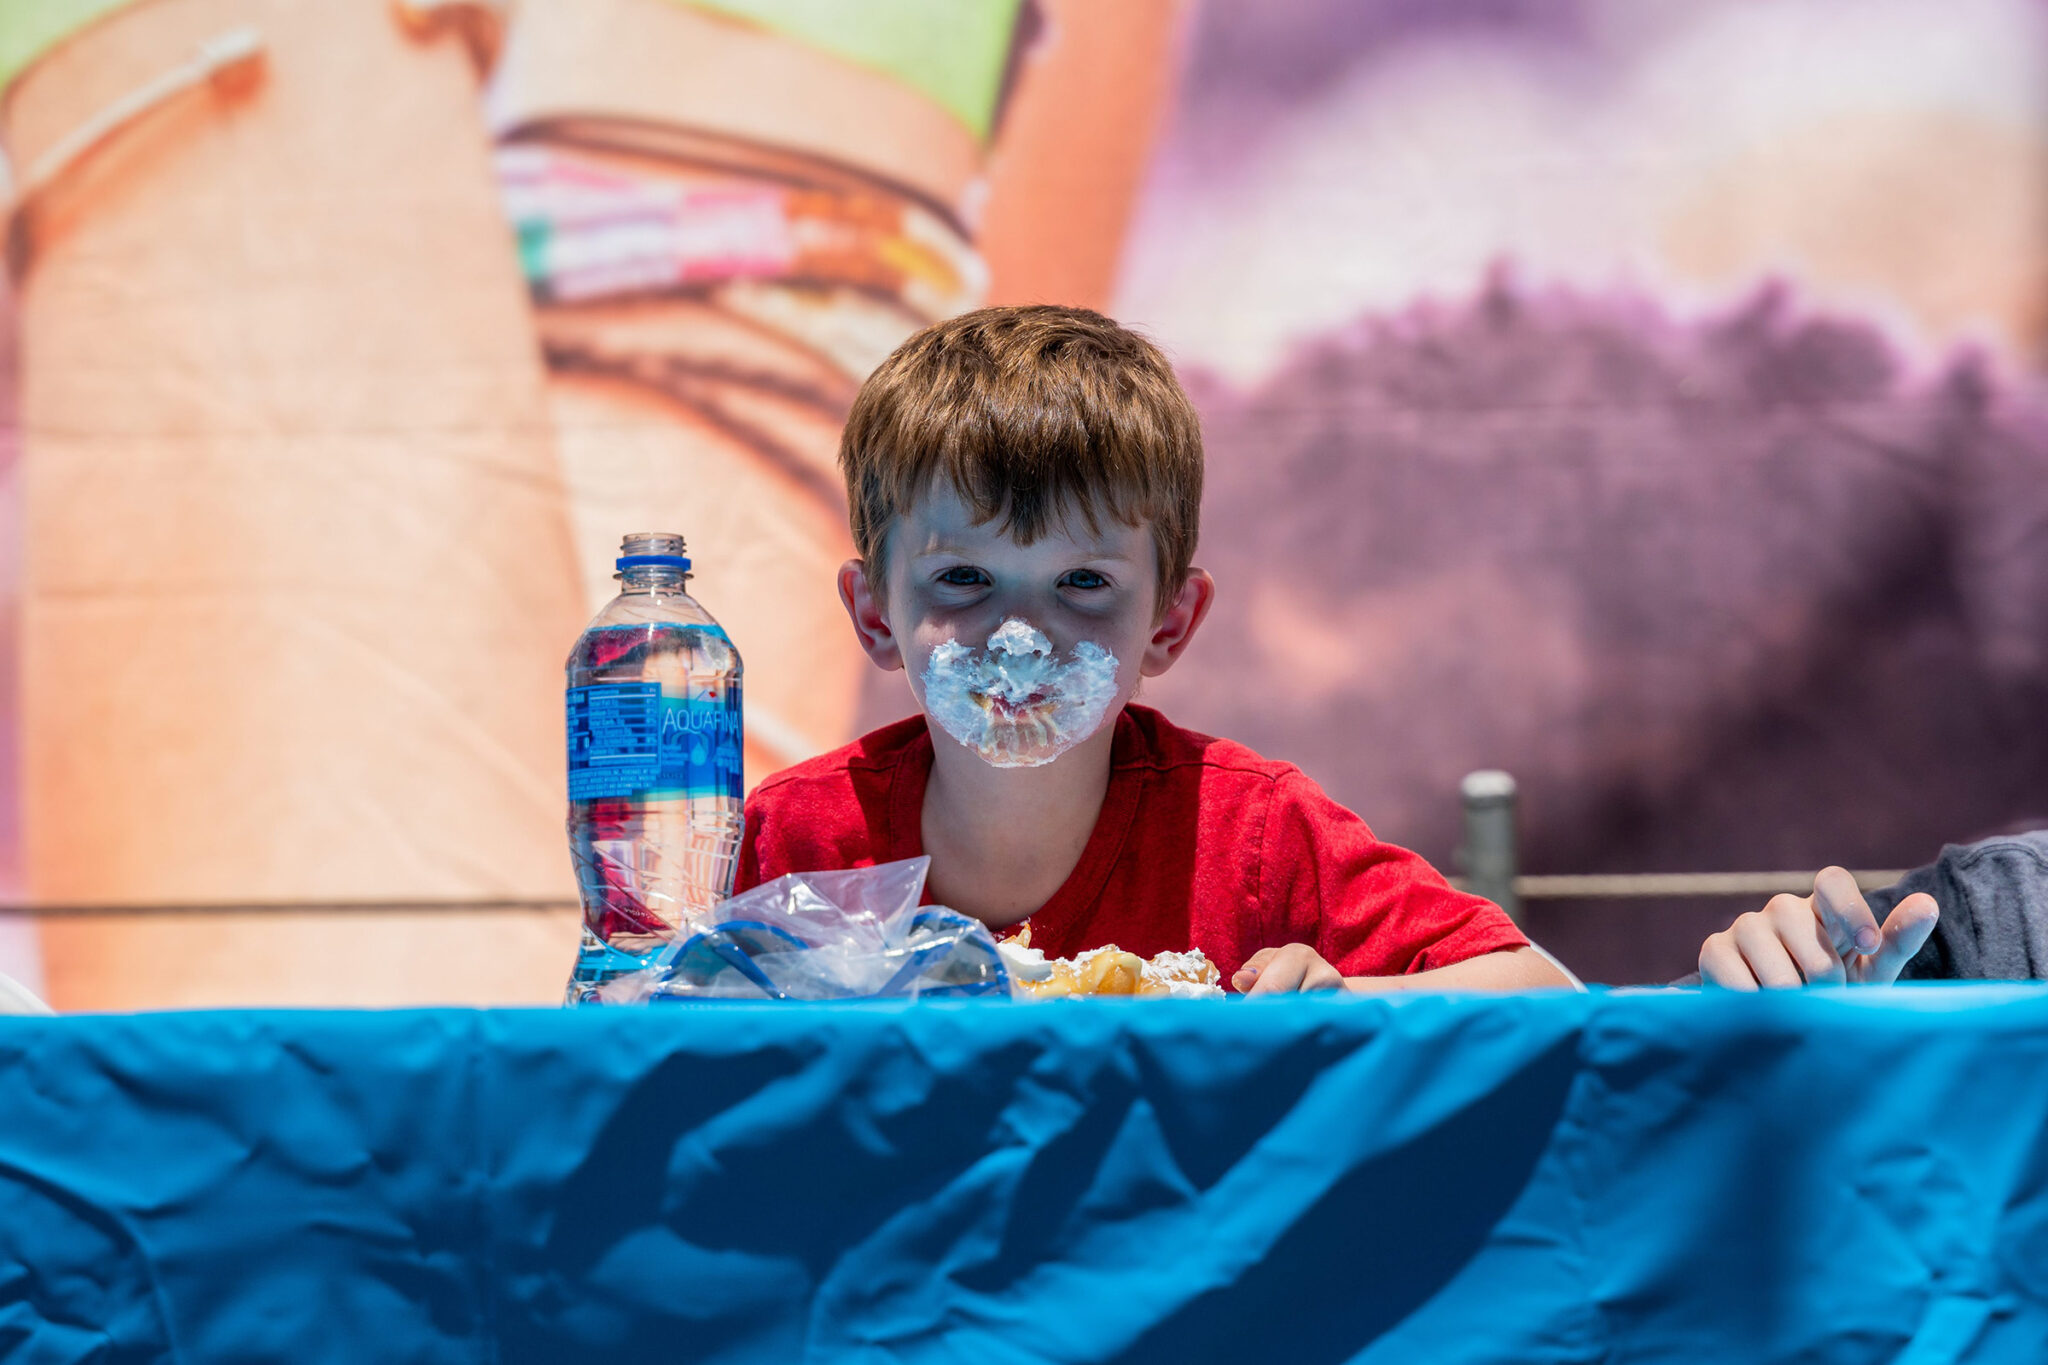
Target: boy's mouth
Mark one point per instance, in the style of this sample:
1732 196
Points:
1014 701
1006 708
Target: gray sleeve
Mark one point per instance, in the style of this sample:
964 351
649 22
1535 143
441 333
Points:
1993 897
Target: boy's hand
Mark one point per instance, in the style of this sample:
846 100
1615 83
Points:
1296 967
1828 937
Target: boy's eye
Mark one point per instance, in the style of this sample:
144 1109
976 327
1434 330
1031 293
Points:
962 576
1085 579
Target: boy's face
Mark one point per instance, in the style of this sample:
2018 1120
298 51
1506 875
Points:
1020 651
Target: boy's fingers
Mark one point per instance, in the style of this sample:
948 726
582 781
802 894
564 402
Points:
1281 976
1768 961
1841 908
1243 977
1721 964
1284 970
1805 940
1906 931
1296 967
1321 976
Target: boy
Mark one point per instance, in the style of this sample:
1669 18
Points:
1024 486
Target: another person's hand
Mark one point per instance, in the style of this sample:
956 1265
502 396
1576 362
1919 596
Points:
1830 937
1296 967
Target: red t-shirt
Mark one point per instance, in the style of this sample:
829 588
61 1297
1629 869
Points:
1200 843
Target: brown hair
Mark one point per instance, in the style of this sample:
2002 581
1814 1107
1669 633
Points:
1032 414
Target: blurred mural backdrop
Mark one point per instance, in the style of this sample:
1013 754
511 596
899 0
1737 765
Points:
1643 397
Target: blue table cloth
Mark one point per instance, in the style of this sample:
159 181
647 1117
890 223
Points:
1831 1176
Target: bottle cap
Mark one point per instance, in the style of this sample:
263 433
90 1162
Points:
652 550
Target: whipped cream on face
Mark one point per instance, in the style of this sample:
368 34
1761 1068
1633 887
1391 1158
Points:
1018 636
1014 701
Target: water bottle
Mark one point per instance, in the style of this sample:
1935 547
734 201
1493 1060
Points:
654 765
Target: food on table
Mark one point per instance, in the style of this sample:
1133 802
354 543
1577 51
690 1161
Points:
1108 970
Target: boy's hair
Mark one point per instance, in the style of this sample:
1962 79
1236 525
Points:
1033 414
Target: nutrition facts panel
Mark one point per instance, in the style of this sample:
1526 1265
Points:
614 739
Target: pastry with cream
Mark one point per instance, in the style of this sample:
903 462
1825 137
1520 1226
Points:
1108 970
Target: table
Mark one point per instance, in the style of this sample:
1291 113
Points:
1853 1175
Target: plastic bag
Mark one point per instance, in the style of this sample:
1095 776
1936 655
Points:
846 935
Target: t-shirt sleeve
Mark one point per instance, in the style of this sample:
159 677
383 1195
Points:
1371 909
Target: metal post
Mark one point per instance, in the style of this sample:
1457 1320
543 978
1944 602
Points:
1487 857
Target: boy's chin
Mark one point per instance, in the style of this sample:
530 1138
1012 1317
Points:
1019 742
1028 741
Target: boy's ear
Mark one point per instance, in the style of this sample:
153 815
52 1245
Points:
1183 617
869 625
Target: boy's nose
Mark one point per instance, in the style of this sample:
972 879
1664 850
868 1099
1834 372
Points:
1036 621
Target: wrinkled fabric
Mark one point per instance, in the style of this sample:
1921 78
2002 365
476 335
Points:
1826 1175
